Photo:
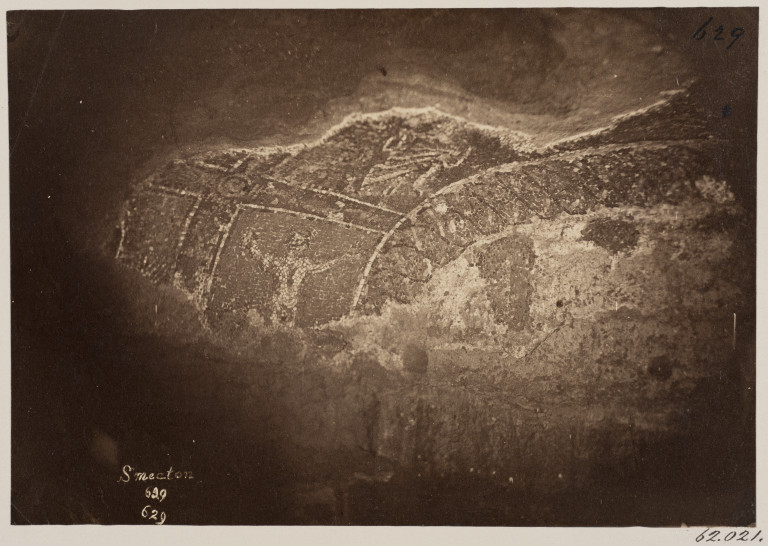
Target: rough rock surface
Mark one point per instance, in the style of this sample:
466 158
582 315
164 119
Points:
557 328
588 286
497 243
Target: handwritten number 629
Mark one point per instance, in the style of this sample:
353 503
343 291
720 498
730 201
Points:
155 494
736 33
150 513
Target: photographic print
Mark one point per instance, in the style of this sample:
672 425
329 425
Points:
384 267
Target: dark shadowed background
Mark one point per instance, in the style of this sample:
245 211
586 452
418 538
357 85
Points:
97 98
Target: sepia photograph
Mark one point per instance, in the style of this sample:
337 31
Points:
384 267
